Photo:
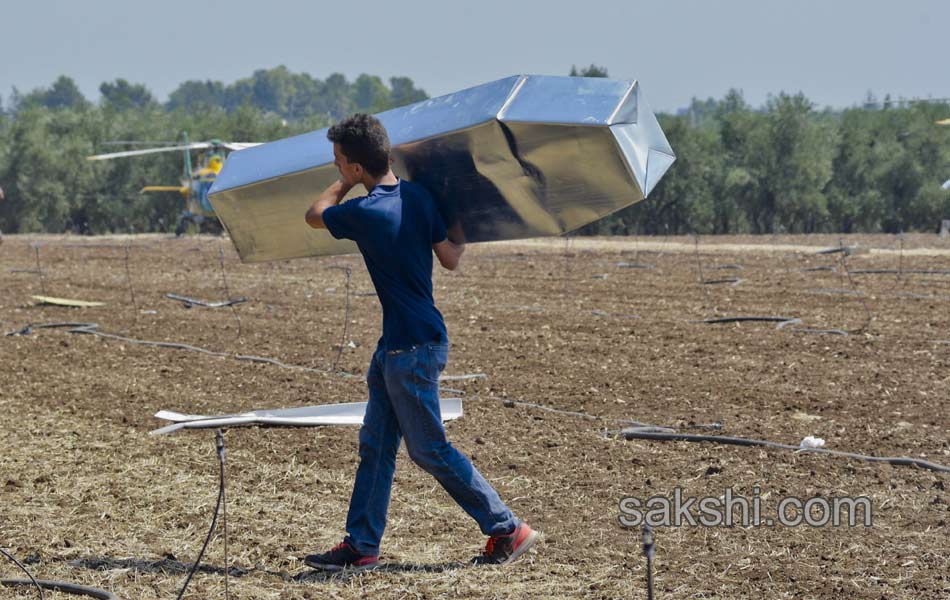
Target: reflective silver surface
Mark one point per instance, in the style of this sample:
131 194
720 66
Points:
305 416
521 157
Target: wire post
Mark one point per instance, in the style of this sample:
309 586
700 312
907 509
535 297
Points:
227 291
900 264
567 263
39 268
702 277
346 316
649 549
854 289
128 278
699 262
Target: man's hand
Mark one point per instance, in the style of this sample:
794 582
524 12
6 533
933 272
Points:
331 196
449 253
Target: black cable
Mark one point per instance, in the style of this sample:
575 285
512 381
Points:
746 319
638 433
92 329
64 587
219 443
25 570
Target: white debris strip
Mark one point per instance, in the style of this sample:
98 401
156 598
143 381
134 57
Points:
304 416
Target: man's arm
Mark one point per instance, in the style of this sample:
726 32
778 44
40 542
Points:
331 196
449 253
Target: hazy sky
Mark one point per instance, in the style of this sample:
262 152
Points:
832 50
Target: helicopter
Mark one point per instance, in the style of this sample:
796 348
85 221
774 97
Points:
196 178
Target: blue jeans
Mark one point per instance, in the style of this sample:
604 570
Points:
404 403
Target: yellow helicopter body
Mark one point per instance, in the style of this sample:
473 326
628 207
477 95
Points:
195 182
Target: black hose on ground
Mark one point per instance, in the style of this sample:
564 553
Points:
62 586
746 319
640 433
23 568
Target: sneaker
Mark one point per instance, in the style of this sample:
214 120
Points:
342 556
504 549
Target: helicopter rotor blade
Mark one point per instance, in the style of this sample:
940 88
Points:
240 145
111 155
139 143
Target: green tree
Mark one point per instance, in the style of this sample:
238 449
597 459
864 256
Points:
64 93
122 95
590 71
404 92
48 173
685 199
854 203
370 95
781 167
799 165
196 95
337 100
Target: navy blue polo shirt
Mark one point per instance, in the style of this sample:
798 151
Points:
395 227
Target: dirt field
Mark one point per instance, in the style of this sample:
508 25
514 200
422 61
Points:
604 327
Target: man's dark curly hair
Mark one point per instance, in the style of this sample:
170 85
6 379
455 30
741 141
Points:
363 139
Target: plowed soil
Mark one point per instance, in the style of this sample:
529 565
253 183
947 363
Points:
608 328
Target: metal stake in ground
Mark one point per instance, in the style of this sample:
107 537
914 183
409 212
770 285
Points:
227 289
699 267
346 315
900 264
128 278
869 317
39 268
648 551
567 261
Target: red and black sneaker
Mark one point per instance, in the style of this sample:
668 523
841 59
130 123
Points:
342 556
504 549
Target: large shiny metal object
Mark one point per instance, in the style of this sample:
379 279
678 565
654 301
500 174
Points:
521 157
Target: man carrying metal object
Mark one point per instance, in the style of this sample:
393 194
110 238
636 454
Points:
397 227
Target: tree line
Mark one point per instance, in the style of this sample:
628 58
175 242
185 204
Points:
786 166
46 135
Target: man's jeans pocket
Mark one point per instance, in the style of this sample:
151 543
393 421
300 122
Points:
436 357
